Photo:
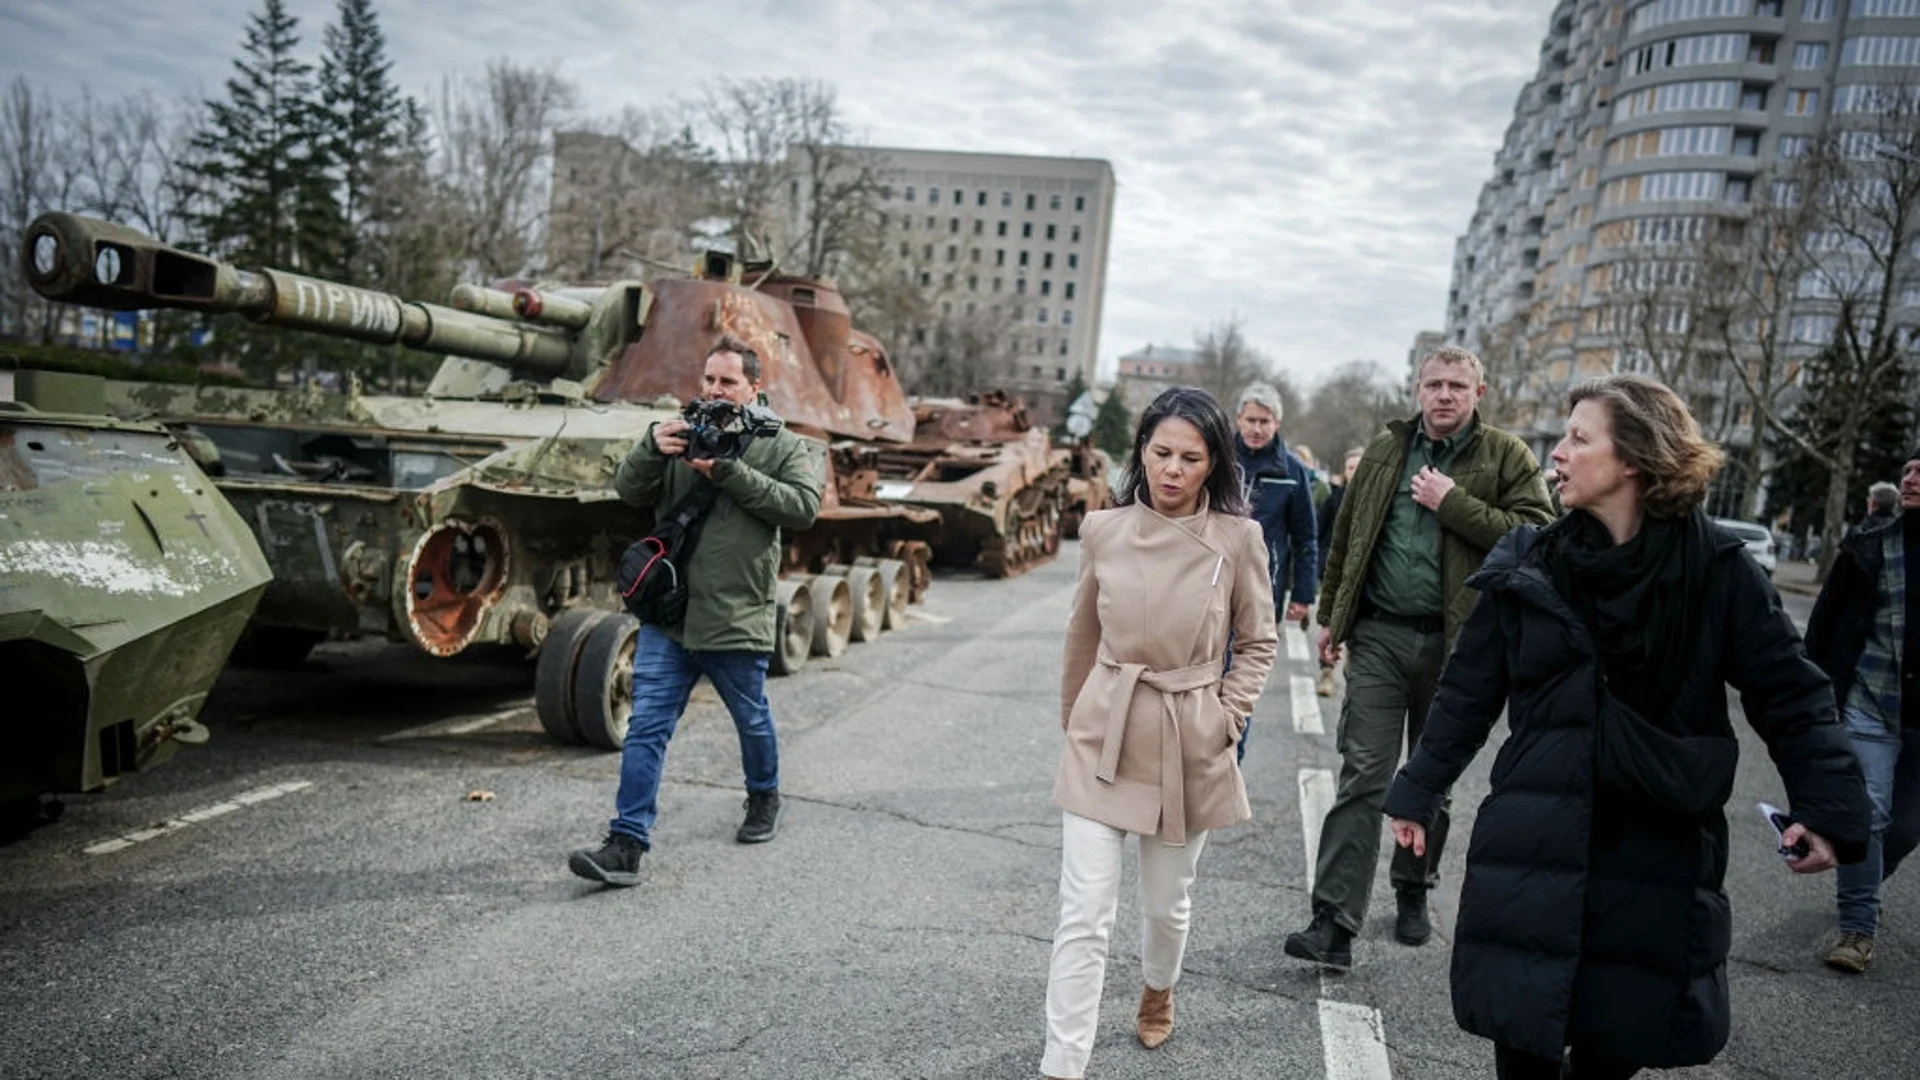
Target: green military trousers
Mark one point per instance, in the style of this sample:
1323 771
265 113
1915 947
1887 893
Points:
1392 669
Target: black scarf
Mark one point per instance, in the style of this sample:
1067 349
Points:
1640 599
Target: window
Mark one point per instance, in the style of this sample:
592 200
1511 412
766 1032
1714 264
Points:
1753 97
1026 230
1066 317
1046 287
1674 97
1074 234
953 225
1760 50
1073 260
1892 9
1769 9
973 283
927 252
909 192
933 196
1880 52
996 288
974 255
1816 10
1053 202
1872 98
1006 198
932 222
958 196
926 279
1020 286
979 226
1046 261
906 249
1803 102
1000 257
1063 352
1030 201
1069 291
1041 318
1791 146
1060 373
1079 204
1023 258
1660 12
953 253
1002 230
1688 52
1738 189
982 200
947 281
1051 231
1812 329
1746 143
1810 55
919 335
1786 193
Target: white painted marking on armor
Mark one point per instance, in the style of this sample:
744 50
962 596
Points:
1354 1042
251 797
306 298
442 728
1316 797
1298 649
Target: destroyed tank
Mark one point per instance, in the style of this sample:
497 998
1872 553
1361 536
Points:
125 579
1000 486
484 512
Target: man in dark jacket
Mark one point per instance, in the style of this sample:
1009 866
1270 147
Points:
1280 491
1429 498
728 631
1863 635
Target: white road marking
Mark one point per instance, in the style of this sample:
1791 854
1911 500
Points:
1298 650
1306 706
197 815
1354 1042
1316 797
441 728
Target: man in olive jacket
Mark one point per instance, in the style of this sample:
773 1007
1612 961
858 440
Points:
1428 500
728 632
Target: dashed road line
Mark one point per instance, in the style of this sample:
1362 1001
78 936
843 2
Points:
1306 705
1298 649
197 815
443 728
1316 798
1354 1044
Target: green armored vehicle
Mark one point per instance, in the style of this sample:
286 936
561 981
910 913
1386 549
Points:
125 579
484 511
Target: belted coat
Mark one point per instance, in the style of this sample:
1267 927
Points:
1150 715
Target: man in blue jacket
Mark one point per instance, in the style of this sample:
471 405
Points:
1280 491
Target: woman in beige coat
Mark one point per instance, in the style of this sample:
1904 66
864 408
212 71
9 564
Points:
1167 580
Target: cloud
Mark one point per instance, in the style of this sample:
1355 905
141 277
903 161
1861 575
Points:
1303 165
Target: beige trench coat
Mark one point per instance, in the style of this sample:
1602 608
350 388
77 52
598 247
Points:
1150 721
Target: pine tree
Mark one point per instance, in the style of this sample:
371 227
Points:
1113 427
259 167
364 121
1798 483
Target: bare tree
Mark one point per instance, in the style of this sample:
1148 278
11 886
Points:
1227 362
1347 408
627 194
495 142
27 120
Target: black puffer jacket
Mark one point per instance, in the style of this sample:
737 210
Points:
1584 916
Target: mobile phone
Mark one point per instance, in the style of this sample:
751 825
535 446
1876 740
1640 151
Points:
1781 820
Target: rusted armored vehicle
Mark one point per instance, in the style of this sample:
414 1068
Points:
125 578
485 512
1088 486
1000 487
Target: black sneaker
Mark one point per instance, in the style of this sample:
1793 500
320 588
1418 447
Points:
617 862
763 818
1323 942
1411 926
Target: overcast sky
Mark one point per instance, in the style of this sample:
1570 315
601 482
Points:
1304 164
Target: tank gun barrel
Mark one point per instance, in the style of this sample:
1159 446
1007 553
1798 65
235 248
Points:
81 260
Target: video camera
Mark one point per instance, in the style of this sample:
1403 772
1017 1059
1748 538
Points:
720 430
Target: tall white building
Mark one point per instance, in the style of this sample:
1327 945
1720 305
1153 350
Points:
1020 242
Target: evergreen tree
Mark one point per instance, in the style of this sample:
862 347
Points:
1798 483
259 166
1075 387
364 120
1113 427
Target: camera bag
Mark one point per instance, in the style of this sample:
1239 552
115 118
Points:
651 576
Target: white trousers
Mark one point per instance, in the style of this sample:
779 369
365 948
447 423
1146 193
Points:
1089 898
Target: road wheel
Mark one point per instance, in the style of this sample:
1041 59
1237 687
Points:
898 586
792 626
603 682
869 596
279 647
832 615
553 672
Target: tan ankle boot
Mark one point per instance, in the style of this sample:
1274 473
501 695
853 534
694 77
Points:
1155 1022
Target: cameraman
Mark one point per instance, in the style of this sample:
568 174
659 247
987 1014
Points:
728 631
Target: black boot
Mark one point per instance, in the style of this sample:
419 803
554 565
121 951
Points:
1412 927
616 863
1325 941
763 818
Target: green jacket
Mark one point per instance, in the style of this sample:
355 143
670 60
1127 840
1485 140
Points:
1497 487
775 485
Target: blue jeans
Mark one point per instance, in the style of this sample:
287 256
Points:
663 677
1858 885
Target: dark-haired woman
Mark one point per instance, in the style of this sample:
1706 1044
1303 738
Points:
1592 914
1167 579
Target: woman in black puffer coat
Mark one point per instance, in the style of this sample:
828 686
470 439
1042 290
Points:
1592 914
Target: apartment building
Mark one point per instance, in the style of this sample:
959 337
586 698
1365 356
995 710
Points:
1647 125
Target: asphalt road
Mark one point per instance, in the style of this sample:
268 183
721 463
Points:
335 906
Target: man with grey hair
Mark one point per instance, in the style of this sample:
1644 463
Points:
1280 493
